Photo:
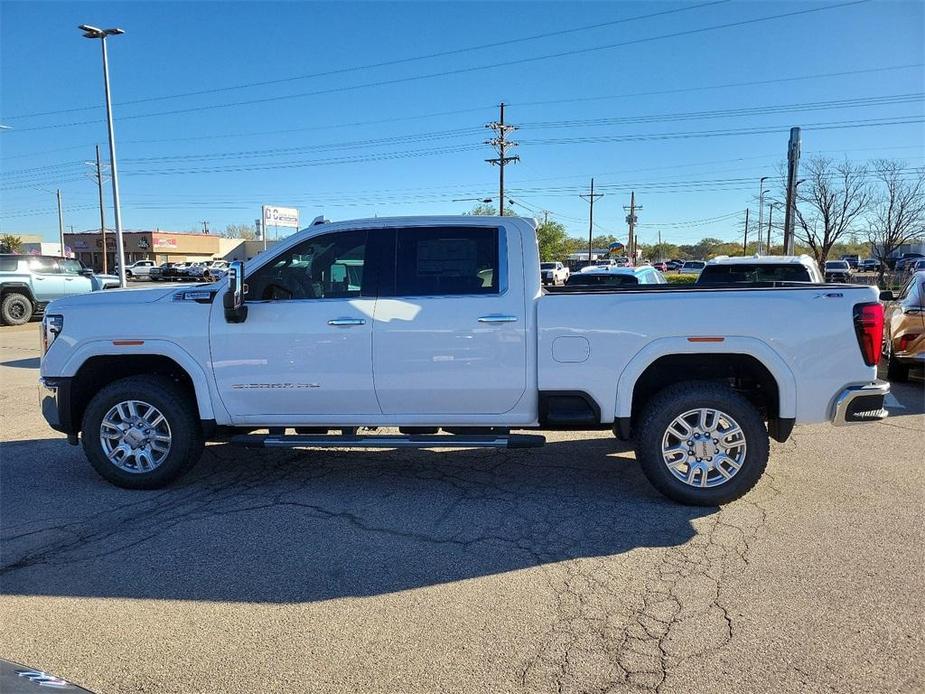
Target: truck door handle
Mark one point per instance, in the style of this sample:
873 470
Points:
346 321
497 319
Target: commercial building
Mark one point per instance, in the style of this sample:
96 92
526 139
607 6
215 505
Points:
159 246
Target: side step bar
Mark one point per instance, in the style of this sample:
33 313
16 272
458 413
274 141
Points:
391 441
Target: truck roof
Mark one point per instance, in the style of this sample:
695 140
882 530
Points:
762 260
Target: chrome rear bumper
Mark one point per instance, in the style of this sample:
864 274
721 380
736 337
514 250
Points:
859 404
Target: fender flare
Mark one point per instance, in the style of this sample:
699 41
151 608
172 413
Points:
164 348
18 288
749 346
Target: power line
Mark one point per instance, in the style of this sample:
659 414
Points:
352 124
857 102
766 130
465 70
386 63
727 85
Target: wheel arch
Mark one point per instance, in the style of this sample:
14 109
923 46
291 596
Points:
769 380
100 363
17 288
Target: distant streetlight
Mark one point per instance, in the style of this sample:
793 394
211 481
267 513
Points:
760 210
485 200
91 32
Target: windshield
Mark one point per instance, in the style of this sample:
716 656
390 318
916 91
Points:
547 266
836 265
695 264
753 272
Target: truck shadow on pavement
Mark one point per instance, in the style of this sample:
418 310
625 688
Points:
294 526
31 363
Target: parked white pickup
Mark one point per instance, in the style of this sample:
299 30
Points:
442 323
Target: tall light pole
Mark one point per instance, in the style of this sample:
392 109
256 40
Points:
91 32
760 210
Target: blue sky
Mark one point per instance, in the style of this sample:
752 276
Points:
587 112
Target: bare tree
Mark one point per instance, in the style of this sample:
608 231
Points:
898 215
831 201
239 231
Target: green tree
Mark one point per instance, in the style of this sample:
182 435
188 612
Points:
10 244
552 239
705 248
487 210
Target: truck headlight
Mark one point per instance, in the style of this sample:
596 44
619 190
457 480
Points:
52 325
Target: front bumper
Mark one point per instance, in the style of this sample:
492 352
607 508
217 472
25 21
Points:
55 400
859 404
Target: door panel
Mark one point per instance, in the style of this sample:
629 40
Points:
47 281
445 350
306 345
287 359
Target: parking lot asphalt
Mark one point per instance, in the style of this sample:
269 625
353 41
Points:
550 570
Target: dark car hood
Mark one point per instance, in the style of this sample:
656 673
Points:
19 679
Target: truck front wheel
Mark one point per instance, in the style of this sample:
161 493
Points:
16 309
701 443
141 432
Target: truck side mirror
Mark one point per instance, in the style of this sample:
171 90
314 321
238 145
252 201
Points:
233 301
886 295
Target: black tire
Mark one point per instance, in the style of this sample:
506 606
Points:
178 408
896 371
675 400
16 309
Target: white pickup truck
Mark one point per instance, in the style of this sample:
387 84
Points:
441 323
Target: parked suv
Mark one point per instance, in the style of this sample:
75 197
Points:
29 282
692 267
837 271
852 260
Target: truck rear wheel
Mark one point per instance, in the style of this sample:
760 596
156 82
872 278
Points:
701 443
16 309
141 432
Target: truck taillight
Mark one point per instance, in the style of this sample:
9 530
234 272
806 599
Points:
868 325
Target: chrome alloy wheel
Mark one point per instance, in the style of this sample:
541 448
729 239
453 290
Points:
135 436
704 447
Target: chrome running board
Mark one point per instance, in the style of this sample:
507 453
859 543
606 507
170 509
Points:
391 441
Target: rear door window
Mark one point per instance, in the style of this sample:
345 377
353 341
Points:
442 261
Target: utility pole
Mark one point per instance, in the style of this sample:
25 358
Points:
632 220
745 242
660 254
793 164
60 223
99 185
205 226
760 211
501 143
770 215
591 197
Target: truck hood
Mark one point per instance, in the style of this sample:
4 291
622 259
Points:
113 297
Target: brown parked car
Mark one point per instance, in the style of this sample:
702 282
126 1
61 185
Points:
904 327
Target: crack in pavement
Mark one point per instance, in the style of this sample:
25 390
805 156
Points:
608 637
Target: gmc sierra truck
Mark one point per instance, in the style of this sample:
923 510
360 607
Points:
439 326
